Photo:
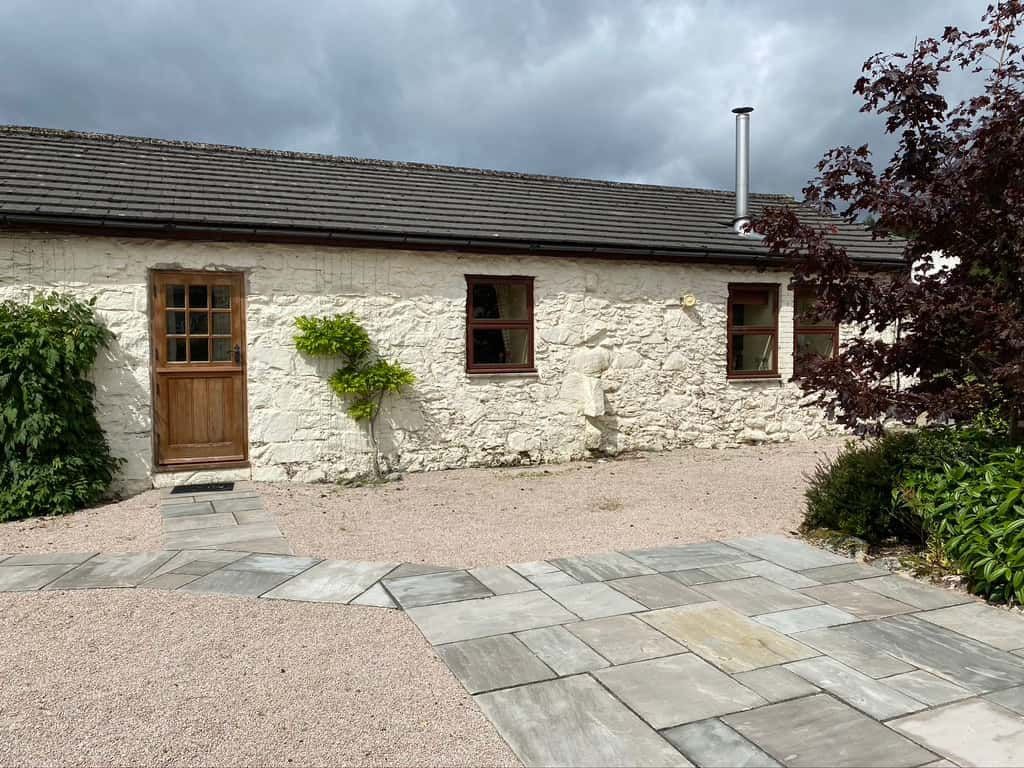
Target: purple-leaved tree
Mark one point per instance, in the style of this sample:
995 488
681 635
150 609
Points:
954 326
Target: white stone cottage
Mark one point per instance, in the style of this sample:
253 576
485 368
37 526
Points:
546 319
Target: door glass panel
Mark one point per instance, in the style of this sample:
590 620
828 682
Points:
222 323
221 297
752 352
176 296
176 350
197 298
198 323
200 349
501 347
176 322
222 350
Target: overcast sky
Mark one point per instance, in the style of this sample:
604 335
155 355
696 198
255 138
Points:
635 91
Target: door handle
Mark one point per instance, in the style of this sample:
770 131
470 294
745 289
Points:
238 354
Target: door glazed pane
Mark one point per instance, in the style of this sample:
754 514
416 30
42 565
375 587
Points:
198 297
221 296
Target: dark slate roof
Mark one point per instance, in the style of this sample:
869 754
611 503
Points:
74 179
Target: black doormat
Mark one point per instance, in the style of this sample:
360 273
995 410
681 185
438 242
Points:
203 488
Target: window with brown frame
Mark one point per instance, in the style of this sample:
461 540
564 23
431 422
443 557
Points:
811 338
499 324
753 330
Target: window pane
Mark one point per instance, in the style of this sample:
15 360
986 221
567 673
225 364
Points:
820 344
197 297
500 301
753 306
804 306
175 295
221 350
501 347
198 323
175 350
753 352
200 349
222 323
221 296
176 322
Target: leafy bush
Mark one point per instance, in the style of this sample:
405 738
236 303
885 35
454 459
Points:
362 382
860 491
977 514
54 457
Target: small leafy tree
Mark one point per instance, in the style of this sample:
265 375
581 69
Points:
955 187
54 457
361 381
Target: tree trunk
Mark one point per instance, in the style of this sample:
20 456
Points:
1014 414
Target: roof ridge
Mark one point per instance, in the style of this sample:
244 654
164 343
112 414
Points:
349 160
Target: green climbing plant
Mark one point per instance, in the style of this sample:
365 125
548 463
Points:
361 382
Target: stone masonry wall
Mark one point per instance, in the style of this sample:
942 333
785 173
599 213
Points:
621 363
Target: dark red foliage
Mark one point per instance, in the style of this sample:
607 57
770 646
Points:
953 328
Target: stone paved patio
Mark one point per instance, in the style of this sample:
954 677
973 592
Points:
758 652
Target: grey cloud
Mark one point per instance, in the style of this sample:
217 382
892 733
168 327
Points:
632 91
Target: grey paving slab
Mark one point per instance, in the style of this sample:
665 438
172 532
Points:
713 744
493 662
776 683
434 588
168 581
197 568
238 583
594 600
375 597
1018 652
971 732
832 574
601 567
995 626
927 688
689 556
789 553
778 574
562 651
676 689
820 730
657 591
501 579
331 581
225 495
105 571
853 598
273 545
249 516
469 619
694 576
573 721
198 522
726 638
873 697
533 568
624 639
49 558
862 656
552 580
236 505
190 509
191 555
755 596
420 569
218 538
942 763
973 665
803 619
1011 698
4 557
914 593
28 578
282 564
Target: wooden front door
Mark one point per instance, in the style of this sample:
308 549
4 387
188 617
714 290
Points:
198 321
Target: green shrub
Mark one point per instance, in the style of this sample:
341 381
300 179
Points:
54 457
977 514
860 491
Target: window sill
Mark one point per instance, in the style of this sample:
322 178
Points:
753 379
532 374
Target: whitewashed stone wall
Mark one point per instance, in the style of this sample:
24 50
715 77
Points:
621 364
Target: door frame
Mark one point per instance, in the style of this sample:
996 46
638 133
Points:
158 419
